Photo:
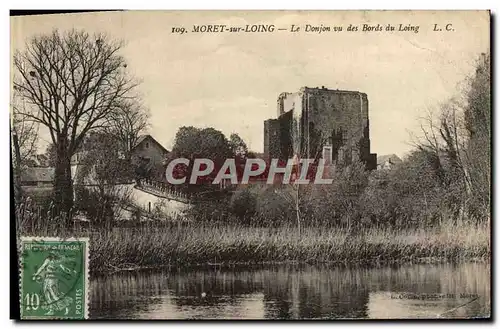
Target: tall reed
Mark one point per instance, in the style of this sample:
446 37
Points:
156 244
172 245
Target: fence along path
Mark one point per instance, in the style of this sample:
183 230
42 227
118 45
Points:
163 190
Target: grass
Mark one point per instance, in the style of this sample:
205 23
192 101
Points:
198 244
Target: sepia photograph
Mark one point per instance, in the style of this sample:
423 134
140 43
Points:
251 165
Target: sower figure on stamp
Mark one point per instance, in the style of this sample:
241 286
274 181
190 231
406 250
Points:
48 274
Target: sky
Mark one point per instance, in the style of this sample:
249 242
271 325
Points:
231 81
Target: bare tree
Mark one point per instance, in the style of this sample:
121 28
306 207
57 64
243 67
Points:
26 133
24 138
71 81
457 140
452 131
127 123
478 124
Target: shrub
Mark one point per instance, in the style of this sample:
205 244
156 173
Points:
243 204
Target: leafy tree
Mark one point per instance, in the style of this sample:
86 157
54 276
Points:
209 143
336 203
238 146
101 177
408 195
102 162
275 205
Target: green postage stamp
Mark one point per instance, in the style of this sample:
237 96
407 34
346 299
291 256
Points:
54 278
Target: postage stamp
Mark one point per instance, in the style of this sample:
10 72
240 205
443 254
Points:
54 278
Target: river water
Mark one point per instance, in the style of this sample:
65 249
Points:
295 292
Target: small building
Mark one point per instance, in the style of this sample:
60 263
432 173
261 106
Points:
387 161
37 177
41 176
149 155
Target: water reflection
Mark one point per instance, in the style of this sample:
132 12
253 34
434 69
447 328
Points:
295 292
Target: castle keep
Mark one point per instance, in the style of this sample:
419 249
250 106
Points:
321 123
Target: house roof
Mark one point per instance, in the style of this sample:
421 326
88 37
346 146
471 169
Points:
37 174
142 138
393 158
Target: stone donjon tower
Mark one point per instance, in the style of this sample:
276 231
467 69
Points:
320 122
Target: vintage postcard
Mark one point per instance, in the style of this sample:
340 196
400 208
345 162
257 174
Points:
279 165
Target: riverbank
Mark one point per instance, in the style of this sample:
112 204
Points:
226 245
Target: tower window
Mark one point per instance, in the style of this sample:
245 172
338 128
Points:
147 145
